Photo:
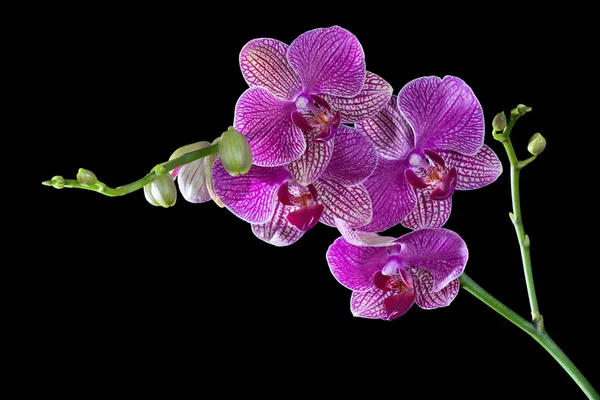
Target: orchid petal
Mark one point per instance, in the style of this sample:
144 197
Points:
353 159
392 197
390 132
329 61
266 121
475 171
444 113
264 63
278 231
428 213
305 218
253 196
372 304
440 251
351 204
359 238
375 94
354 266
429 299
192 181
311 164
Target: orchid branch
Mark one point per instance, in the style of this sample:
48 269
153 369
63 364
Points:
541 336
59 182
515 215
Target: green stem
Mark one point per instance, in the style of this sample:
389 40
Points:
517 219
140 183
541 336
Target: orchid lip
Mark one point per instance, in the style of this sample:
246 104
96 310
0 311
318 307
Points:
305 218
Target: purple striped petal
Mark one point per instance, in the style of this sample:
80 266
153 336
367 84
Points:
311 164
266 121
444 113
375 94
359 238
389 131
278 231
440 251
474 171
353 159
351 204
392 197
252 196
354 266
379 304
192 180
329 61
429 299
264 64
428 213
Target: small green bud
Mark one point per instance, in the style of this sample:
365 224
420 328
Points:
499 122
58 182
160 170
86 177
536 144
161 191
521 110
235 152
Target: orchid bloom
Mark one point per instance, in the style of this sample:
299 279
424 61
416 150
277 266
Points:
430 142
388 275
280 209
300 95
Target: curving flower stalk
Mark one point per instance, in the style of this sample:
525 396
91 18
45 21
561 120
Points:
430 143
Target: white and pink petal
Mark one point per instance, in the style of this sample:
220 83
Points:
427 298
266 122
475 171
428 213
278 231
360 238
379 304
351 204
312 163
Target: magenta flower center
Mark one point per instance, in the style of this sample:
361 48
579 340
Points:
303 198
314 113
426 169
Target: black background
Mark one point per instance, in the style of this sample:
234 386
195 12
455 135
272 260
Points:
123 297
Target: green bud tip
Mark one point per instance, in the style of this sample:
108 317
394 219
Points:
86 177
57 182
536 144
160 170
235 152
161 191
499 122
521 110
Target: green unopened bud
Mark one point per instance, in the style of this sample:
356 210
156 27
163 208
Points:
521 109
235 152
86 177
499 122
57 182
161 191
536 144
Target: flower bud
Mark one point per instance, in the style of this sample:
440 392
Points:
536 144
521 110
499 122
235 152
58 182
161 191
86 177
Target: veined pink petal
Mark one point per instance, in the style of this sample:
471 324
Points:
374 95
192 181
313 162
252 196
392 197
429 299
428 213
278 231
372 304
390 132
444 113
353 159
266 121
359 238
354 266
264 64
329 61
351 204
440 251
475 171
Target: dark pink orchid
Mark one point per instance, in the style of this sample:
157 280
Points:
430 142
301 94
388 275
281 209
